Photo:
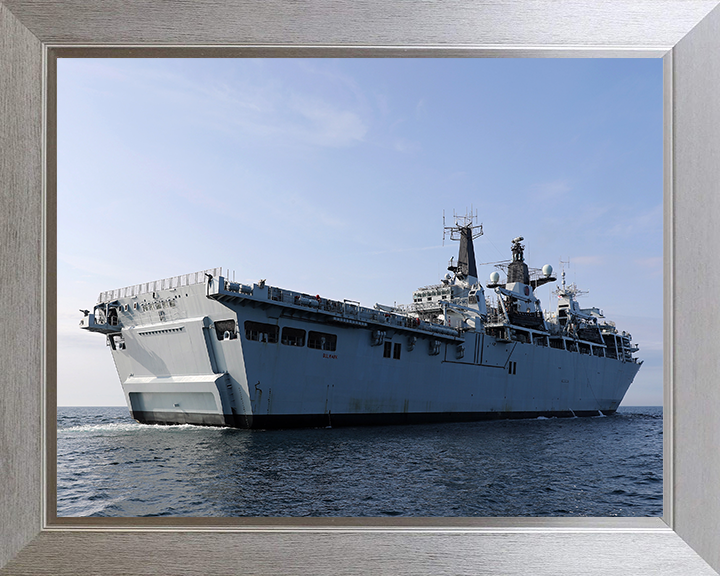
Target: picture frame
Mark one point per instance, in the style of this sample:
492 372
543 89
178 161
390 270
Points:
686 34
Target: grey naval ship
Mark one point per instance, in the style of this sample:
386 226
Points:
202 349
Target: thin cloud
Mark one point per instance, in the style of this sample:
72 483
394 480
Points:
646 221
588 260
257 109
421 109
406 146
653 265
325 125
554 189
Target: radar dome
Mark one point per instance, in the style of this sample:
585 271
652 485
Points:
547 270
494 277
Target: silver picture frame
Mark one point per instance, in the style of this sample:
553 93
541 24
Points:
33 540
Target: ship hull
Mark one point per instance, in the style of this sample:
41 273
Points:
284 421
207 361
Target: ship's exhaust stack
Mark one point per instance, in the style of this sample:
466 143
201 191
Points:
465 230
466 256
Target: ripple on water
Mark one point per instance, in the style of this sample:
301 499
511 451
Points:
110 465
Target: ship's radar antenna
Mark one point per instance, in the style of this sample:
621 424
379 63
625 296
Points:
466 222
562 265
572 291
517 249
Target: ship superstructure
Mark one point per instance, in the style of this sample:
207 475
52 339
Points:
202 349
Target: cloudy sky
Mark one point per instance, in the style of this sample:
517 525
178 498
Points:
331 176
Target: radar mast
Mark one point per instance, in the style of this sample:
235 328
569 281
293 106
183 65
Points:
465 230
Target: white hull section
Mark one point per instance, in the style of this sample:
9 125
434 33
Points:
200 354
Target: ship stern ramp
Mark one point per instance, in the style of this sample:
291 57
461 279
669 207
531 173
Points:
176 399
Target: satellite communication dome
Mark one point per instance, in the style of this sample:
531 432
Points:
494 277
547 270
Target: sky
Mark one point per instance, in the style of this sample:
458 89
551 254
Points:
331 177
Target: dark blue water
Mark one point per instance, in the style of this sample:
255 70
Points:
109 465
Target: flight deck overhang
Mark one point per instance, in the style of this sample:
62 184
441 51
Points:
324 310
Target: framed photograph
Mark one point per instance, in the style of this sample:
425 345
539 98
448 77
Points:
36 541
329 177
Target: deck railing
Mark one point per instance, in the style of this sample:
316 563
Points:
157 285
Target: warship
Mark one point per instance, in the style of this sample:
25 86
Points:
203 349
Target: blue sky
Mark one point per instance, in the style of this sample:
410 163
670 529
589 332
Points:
330 176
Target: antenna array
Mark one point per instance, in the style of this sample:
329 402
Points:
469 220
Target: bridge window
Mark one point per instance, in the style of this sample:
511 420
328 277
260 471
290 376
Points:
261 332
322 341
292 336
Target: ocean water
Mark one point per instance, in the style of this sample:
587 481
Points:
109 465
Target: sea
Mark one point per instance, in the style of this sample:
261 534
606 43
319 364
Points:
110 465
